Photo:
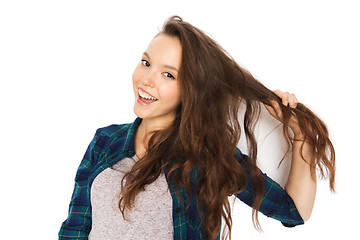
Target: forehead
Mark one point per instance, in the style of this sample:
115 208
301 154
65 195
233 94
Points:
165 49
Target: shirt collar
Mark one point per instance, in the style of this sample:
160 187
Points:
129 147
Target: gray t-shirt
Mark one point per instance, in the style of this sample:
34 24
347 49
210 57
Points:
150 217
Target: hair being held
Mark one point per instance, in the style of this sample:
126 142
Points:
206 131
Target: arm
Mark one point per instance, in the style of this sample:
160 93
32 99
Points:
276 202
78 223
301 184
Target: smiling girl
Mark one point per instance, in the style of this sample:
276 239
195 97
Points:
168 174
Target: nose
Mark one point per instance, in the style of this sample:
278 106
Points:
149 78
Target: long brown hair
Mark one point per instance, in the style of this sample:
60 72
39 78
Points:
206 131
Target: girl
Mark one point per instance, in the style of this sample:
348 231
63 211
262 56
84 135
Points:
168 174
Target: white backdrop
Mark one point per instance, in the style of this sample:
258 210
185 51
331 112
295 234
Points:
65 70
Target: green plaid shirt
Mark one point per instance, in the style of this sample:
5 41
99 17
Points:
115 142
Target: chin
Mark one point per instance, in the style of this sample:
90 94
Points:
140 113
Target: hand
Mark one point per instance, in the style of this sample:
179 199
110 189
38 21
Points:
290 100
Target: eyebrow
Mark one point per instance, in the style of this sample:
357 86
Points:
166 66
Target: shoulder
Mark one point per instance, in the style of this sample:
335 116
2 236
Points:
116 137
242 158
239 156
113 131
109 135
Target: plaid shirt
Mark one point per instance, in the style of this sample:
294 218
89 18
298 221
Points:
115 142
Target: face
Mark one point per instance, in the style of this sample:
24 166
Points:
155 80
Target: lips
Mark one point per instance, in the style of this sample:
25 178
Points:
145 95
144 98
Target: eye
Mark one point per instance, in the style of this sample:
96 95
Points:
168 75
145 63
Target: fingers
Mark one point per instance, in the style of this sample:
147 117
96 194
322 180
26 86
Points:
275 110
288 99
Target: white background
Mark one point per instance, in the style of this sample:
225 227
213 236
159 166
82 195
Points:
65 70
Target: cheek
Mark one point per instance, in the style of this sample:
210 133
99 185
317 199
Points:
136 75
171 94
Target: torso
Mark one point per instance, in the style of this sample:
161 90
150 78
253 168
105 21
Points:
149 218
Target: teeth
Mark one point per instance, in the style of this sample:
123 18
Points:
145 95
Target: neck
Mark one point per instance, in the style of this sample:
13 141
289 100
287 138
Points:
145 130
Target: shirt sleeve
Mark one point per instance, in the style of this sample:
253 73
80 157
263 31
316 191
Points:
276 202
78 223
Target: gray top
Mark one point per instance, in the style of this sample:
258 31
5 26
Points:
150 217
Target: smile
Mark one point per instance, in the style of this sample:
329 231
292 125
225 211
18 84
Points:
145 95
